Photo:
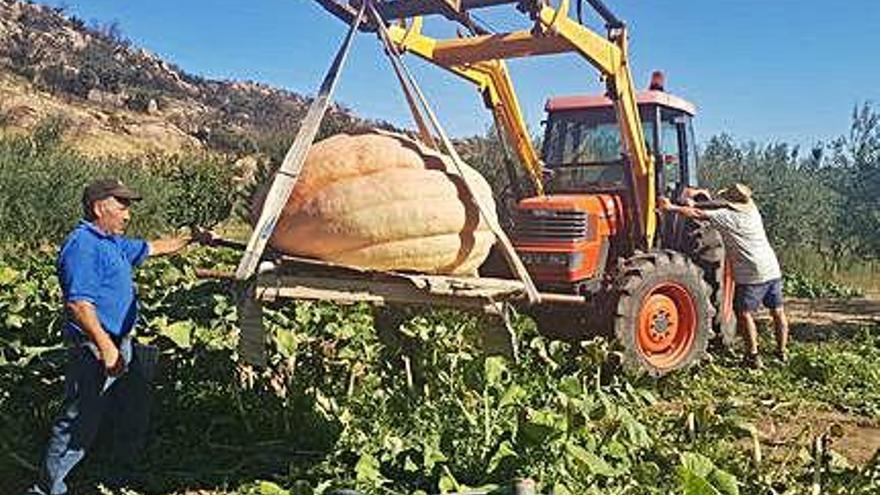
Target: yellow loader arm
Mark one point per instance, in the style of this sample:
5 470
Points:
479 59
494 84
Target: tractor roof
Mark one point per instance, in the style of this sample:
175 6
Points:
582 102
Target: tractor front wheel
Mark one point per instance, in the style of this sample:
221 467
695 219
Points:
663 313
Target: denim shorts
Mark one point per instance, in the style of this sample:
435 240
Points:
749 297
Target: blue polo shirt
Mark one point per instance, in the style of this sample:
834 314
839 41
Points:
97 267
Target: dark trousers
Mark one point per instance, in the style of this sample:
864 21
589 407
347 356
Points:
91 399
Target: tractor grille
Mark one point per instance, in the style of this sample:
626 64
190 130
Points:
551 225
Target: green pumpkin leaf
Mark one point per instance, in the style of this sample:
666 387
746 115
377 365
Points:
14 321
495 368
698 476
7 275
571 386
513 395
697 464
504 451
447 482
542 426
431 455
724 482
410 466
691 484
636 431
269 488
286 342
180 332
367 470
589 461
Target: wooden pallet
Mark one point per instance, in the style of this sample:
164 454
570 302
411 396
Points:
307 279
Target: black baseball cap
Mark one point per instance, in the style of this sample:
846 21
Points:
106 188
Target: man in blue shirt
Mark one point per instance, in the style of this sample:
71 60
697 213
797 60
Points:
104 379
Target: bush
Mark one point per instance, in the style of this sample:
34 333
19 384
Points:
421 407
227 140
201 192
797 284
41 183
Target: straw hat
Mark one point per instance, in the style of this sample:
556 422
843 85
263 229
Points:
738 196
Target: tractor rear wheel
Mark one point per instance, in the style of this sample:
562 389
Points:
703 244
662 312
705 247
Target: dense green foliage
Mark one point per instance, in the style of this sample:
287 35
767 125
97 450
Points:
797 284
422 408
41 184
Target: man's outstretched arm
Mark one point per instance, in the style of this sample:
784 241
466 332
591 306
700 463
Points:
169 245
664 204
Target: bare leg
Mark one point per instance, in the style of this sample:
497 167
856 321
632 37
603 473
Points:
780 324
746 324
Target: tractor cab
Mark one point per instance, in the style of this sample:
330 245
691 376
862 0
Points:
567 236
583 152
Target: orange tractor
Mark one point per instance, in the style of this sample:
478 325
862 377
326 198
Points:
578 237
586 229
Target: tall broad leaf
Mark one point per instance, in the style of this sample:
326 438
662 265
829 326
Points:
179 332
698 475
504 451
589 461
367 470
269 488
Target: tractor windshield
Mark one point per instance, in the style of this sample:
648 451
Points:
583 150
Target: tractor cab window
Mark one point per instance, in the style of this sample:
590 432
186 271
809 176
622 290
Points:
691 154
670 157
582 137
676 155
583 151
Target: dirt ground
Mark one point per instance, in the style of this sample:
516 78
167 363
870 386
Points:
855 437
860 311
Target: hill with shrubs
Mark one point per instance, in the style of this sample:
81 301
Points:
117 98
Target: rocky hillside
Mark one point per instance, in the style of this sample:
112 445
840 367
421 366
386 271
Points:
121 99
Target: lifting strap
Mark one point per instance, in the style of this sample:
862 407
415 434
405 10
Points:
405 84
285 178
414 93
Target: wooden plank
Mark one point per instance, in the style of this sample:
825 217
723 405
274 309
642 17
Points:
299 266
387 294
287 175
400 289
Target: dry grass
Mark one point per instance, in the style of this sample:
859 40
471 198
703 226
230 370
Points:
95 130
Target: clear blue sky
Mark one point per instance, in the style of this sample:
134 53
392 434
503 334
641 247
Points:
764 70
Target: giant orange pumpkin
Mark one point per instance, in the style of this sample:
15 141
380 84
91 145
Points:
383 201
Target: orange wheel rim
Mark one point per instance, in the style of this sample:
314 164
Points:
667 325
